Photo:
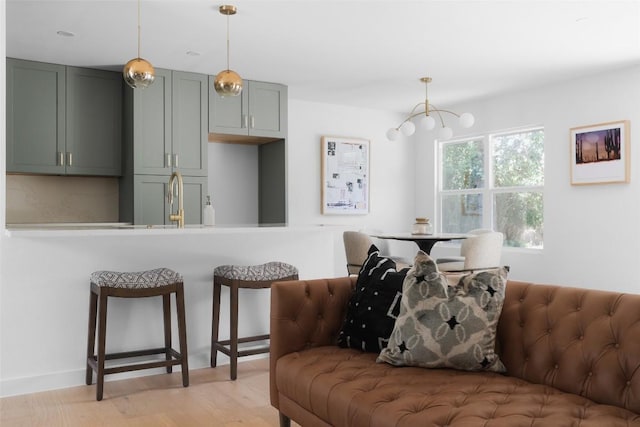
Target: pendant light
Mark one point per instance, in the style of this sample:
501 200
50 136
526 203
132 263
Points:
138 73
228 82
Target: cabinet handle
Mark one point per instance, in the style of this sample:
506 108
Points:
253 122
175 160
168 160
69 158
244 121
60 158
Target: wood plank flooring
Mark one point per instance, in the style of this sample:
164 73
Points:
155 401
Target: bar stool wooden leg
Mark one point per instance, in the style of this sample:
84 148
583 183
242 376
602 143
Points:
182 331
215 322
102 340
166 311
91 338
234 330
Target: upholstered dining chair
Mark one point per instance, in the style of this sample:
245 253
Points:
356 246
482 250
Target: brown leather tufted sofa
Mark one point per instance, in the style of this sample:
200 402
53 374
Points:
572 356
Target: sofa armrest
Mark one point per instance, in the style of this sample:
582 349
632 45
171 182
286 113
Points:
304 314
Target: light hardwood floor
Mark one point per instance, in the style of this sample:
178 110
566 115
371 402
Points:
155 401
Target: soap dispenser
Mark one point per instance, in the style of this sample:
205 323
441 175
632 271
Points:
208 214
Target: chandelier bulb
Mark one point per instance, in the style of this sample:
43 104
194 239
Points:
467 120
393 134
408 128
428 122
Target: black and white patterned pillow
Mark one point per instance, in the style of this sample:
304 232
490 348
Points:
374 305
441 325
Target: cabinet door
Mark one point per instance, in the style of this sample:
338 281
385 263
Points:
94 122
195 194
189 122
152 126
229 114
35 117
267 110
150 199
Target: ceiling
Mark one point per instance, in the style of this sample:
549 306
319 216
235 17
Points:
361 53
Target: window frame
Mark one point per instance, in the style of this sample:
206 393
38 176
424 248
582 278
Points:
489 190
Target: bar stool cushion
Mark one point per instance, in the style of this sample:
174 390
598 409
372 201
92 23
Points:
273 270
136 280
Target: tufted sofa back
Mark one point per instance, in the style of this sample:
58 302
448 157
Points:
585 342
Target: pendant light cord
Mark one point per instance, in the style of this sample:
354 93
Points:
138 28
227 42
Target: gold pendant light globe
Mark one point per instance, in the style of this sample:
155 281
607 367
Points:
138 73
228 83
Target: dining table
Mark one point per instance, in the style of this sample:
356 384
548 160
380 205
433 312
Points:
424 241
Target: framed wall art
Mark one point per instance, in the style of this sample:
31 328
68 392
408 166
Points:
600 153
345 175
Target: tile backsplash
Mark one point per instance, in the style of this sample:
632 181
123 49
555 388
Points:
53 199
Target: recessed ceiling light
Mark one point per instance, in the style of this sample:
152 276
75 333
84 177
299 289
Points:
62 33
193 53
582 19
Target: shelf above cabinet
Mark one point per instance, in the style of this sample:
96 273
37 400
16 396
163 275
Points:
240 139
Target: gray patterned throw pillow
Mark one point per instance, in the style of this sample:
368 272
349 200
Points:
442 326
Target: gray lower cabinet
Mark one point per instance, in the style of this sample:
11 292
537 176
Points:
260 110
165 130
150 203
63 120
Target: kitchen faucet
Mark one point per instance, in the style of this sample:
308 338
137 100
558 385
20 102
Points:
179 217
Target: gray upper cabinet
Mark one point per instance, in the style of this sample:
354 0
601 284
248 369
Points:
148 127
35 117
94 122
189 119
63 120
260 110
169 125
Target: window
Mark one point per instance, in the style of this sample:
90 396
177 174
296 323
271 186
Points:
494 181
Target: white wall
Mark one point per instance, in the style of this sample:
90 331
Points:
592 232
392 170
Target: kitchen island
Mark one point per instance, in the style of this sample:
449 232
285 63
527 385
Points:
44 301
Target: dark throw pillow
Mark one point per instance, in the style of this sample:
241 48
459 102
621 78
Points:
374 305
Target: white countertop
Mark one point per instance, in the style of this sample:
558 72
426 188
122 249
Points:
121 229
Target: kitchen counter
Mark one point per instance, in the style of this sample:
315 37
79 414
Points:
45 293
122 229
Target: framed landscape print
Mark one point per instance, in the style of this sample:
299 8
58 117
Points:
345 175
600 153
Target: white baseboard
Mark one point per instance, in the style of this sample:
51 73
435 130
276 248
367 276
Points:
74 378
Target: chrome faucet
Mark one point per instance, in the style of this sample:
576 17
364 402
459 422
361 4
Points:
179 217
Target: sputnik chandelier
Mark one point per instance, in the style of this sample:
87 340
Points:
408 128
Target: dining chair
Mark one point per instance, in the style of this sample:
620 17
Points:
356 246
483 249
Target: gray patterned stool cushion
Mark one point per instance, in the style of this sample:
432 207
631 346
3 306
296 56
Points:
136 280
273 270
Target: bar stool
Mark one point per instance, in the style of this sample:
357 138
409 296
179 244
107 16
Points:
159 282
242 277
